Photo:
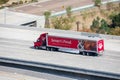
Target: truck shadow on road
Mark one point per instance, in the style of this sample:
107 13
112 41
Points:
64 52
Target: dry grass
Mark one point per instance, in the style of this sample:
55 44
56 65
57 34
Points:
86 16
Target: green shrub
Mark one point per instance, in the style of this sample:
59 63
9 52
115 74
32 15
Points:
20 2
115 18
3 1
62 23
34 1
100 26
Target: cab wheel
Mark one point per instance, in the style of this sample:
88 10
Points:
36 47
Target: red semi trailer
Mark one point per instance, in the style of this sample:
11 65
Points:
82 44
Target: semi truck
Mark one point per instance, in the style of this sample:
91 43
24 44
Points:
85 45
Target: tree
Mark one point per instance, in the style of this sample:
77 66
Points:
47 16
95 24
61 23
20 2
68 11
104 27
3 1
100 26
97 3
34 0
69 14
115 20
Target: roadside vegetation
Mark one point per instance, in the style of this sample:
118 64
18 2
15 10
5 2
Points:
3 1
109 21
64 22
47 18
97 3
103 19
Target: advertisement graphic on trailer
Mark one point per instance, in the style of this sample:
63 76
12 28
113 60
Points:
72 43
87 45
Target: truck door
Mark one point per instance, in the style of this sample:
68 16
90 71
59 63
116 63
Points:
43 39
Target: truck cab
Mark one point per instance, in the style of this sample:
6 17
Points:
41 41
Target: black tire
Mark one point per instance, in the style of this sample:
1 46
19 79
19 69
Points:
93 54
87 53
81 53
55 49
36 47
84 53
48 49
51 49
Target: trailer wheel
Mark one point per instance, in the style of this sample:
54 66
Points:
85 53
52 49
48 49
96 54
56 49
93 54
81 53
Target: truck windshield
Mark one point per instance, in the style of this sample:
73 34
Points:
38 40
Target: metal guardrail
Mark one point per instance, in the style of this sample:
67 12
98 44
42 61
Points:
81 8
101 35
110 37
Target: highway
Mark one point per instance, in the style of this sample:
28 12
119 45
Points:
20 47
17 55
23 50
16 46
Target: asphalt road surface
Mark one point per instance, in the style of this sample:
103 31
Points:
18 44
18 49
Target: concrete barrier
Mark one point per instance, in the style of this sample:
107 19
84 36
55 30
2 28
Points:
73 70
62 31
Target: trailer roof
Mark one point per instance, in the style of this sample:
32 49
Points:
74 36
